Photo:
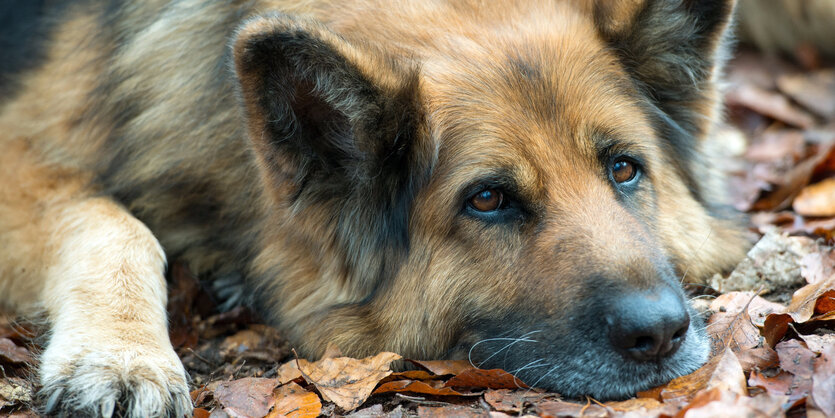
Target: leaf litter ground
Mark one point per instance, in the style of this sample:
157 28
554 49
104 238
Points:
771 320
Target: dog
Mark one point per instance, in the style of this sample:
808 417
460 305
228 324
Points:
521 184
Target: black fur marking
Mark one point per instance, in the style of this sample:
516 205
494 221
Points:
669 49
25 27
350 144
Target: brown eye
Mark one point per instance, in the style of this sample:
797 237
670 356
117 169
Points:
487 200
623 171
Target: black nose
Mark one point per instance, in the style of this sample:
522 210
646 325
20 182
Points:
648 325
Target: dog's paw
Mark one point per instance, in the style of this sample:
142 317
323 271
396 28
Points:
128 381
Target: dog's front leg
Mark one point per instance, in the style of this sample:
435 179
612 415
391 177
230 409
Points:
104 294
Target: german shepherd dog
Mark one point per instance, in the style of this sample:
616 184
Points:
521 183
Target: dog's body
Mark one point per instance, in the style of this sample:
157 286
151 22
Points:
504 180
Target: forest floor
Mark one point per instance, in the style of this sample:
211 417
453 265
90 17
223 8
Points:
771 321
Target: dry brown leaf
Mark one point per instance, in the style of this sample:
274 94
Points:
801 309
434 388
247 397
513 401
347 382
16 391
292 401
444 367
12 353
823 382
796 358
719 403
634 404
759 358
815 91
792 182
771 104
757 307
825 303
452 411
818 266
731 330
818 343
776 145
486 379
288 372
723 371
816 199
554 408
410 375
201 413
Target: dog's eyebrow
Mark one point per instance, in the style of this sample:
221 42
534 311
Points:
608 142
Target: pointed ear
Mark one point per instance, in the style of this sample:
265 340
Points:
339 123
673 49
319 106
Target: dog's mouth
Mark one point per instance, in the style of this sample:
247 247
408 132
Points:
577 363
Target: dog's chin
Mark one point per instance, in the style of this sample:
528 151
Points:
587 367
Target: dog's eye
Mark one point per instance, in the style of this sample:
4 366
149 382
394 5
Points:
487 200
623 170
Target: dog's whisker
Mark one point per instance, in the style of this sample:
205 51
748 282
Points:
512 342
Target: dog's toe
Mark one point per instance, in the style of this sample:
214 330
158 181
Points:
128 383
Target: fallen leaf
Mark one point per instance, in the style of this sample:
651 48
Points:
512 401
345 381
815 91
288 372
718 403
291 400
634 404
770 104
818 266
823 382
796 358
200 413
731 330
486 379
410 375
451 411
759 358
825 303
791 183
774 145
11 353
757 307
723 371
816 199
247 397
434 388
555 408
444 367
801 309
16 391
818 343
376 411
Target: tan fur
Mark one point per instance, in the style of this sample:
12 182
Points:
130 139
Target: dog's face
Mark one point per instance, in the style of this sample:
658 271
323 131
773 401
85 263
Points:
530 202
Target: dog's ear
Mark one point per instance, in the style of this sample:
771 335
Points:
319 105
339 122
672 49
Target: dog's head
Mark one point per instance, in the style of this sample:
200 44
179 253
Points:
525 188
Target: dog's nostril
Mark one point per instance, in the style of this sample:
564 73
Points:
649 325
643 343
